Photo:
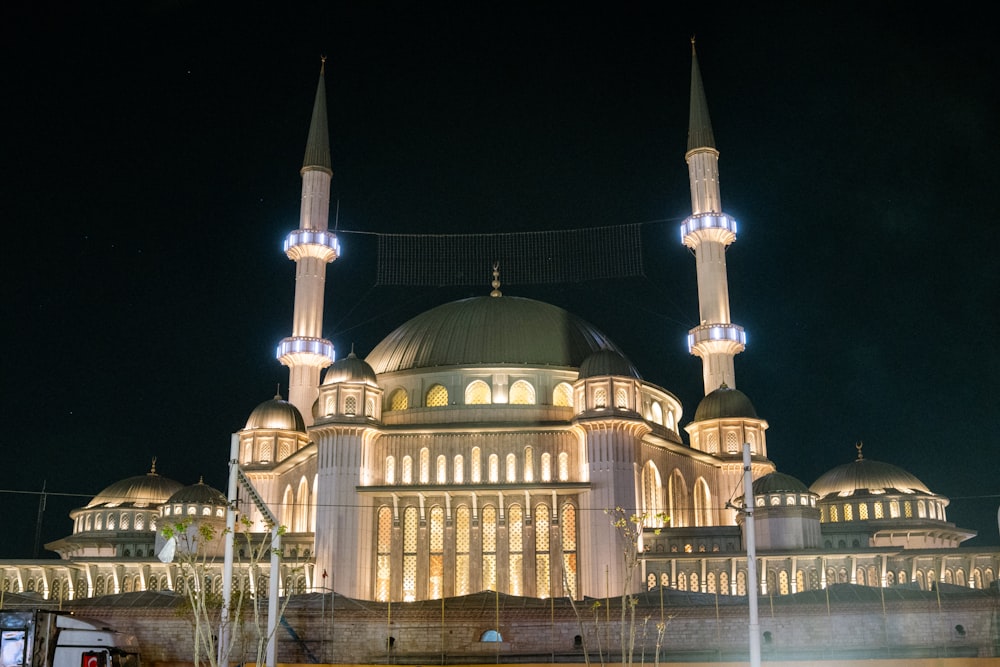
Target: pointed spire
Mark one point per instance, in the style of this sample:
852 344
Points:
699 124
318 143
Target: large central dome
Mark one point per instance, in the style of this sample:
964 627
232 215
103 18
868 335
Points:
489 331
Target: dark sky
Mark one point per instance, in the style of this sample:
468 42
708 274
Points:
151 173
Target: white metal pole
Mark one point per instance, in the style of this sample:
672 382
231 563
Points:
227 562
752 582
272 598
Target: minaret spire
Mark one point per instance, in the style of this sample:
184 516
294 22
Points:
708 232
311 247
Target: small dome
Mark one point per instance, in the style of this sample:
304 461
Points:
778 482
147 490
724 403
865 476
350 369
277 414
608 362
199 494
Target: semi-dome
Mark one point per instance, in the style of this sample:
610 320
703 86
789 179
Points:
489 330
607 362
199 494
277 414
778 482
865 476
140 491
725 403
350 369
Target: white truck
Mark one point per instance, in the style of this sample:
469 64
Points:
45 638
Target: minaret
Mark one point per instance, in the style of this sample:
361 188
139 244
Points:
311 247
708 231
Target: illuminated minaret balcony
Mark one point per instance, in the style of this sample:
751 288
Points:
717 338
718 227
316 243
305 351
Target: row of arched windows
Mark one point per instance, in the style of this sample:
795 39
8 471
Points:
681 507
298 508
478 392
528 557
879 509
116 521
453 471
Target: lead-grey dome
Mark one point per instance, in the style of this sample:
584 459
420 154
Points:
199 494
608 362
489 330
277 414
778 482
725 403
865 476
147 490
350 369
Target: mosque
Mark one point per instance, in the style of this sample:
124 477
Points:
480 445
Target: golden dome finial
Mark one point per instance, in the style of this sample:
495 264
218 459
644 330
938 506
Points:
152 467
496 280
858 446
277 392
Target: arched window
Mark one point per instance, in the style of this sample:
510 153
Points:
511 468
569 549
703 503
522 393
563 467
848 512
494 465
436 397
652 495
677 500
399 400
600 397
442 469
425 465
515 549
458 470
732 446
489 533
369 407
621 398
834 514
462 540
477 476
562 395
351 406
383 559
407 470
529 465
657 411
390 469
302 507
478 392
435 575
546 461
288 508
542 566
410 526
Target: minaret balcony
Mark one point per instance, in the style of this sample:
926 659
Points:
317 243
302 350
717 335
708 226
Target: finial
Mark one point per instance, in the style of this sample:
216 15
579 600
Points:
496 280
858 446
322 64
152 468
201 479
352 351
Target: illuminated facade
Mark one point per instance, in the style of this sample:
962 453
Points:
480 444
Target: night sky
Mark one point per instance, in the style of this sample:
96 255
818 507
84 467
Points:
151 174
